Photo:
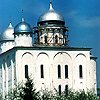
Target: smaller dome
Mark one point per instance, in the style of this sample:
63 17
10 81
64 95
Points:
51 15
8 33
22 27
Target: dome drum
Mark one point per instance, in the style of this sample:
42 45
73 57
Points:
51 23
22 34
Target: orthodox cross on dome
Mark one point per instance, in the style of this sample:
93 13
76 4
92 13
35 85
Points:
22 12
51 1
10 24
22 16
10 18
51 7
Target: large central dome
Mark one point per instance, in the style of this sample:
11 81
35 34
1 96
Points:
51 15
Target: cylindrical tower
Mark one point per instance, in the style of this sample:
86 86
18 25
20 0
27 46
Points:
23 34
7 39
51 30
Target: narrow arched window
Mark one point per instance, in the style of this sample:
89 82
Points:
66 89
66 71
42 71
80 71
26 71
59 71
59 89
56 39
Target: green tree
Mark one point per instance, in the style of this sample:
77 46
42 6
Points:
16 93
23 91
29 91
47 95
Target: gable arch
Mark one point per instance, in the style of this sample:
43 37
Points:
29 60
63 59
80 54
62 53
80 69
81 59
42 53
43 66
26 53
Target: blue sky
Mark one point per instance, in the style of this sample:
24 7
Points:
81 16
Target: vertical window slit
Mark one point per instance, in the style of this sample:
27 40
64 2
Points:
59 89
59 71
66 71
66 89
42 71
26 71
80 71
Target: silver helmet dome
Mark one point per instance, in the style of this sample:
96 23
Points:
51 15
8 33
22 27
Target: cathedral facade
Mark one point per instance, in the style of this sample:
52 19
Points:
44 54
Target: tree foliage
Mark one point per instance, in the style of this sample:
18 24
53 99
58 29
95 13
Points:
27 91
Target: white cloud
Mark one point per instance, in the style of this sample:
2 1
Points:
72 14
83 20
92 21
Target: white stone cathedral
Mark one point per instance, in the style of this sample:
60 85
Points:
44 54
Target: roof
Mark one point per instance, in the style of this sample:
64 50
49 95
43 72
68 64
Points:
7 34
22 27
51 15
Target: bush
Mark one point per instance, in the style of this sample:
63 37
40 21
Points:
27 91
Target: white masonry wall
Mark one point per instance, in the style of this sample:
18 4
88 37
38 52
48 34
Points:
6 46
12 69
23 40
50 60
7 70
